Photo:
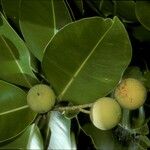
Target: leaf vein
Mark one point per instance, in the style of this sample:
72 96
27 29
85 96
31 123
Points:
82 65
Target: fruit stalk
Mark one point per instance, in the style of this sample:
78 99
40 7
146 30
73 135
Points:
125 122
67 108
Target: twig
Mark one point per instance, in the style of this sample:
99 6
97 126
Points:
85 111
80 107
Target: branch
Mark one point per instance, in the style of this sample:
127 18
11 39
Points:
85 111
80 107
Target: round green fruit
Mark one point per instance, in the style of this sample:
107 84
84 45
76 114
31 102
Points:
105 113
130 93
41 98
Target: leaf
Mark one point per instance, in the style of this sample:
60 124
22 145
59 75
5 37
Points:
11 10
15 115
34 63
141 143
102 140
30 139
139 119
144 141
107 7
92 7
86 59
133 72
14 57
147 79
141 34
79 5
135 146
61 137
70 114
40 20
76 8
73 141
126 10
142 130
142 13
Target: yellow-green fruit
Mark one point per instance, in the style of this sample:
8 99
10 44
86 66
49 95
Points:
105 113
130 93
41 98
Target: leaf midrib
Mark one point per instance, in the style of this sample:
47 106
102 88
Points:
83 63
16 61
13 110
54 20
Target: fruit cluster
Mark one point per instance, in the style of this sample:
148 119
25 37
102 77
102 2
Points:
106 112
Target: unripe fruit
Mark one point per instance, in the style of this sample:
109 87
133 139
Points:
130 93
105 113
41 98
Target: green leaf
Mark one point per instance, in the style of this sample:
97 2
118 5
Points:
142 130
147 79
79 5
102 140
144 141
71 113
30 139
14 59
135 146
126 10
15 114
143 13
141 34
141 143
11 10
61 137
34 63
76 8
133 72
139 119
86 59
40 20
73 141
107 7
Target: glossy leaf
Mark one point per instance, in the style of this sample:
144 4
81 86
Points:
40 20
133 72
102 139
126 10
60 132
15 114
14 57
29 139
83 62
34 63
144 141
73 141
107 7
142 13
142 130
76 8
141 34
11 10
79 5
147 79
